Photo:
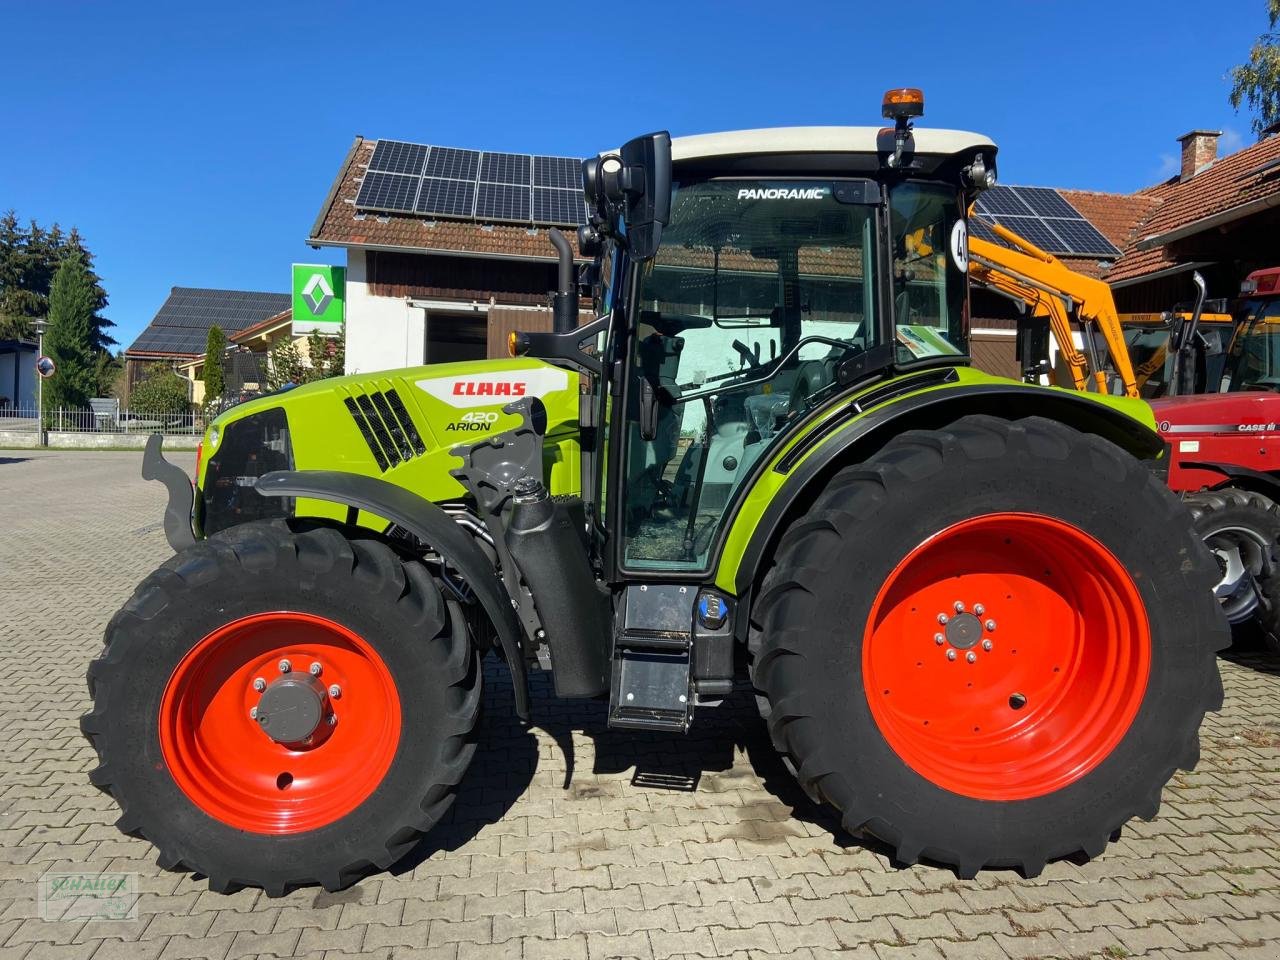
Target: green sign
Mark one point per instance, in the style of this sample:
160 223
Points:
319 297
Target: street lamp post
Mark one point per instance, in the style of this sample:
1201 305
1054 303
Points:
41 324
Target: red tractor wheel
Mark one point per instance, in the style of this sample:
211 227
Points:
278 707
989 645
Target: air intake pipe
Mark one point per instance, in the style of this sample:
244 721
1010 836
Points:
552 558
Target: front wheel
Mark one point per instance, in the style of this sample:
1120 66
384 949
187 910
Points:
278 707
1014 656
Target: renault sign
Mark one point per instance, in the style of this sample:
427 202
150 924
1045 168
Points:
319 298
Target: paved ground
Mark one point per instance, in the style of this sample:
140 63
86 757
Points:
573 841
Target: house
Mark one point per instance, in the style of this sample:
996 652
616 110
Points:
1218 215
446 249
17 376
177 333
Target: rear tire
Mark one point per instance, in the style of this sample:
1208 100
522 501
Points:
197 775
1117 665
1242 530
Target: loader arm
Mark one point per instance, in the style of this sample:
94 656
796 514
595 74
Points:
1051 290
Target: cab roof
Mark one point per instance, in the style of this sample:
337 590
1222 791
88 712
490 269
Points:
818 140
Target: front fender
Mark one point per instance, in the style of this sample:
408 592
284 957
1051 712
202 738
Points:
855 429
428 523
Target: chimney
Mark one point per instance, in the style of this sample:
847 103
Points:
1199 149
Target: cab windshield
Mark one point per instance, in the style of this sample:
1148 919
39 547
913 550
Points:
1255 351
759 293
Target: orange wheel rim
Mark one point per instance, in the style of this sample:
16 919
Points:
1006 656
221 758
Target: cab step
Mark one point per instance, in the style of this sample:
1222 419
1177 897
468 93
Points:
652 686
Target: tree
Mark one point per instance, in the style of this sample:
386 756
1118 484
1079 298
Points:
1257 82
29 259
325 357
70 337
161 392
215 347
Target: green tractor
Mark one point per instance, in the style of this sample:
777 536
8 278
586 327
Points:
975 621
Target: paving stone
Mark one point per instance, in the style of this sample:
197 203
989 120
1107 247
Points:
533 863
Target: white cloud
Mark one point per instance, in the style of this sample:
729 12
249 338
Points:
1169 165
1230 141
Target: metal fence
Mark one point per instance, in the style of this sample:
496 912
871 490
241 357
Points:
103 419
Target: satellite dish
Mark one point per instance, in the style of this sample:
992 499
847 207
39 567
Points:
45 367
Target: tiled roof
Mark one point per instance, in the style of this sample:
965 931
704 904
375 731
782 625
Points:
181 326
1229 182
340 225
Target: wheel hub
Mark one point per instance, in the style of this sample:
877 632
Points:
292 708
963 631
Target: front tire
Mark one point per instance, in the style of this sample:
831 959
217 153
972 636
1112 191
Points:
1031 730
279 707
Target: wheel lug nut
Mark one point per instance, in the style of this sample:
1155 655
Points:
335 691
253 713
971 657
333 719
315 669
285 666
951 654
939 639
943 618
987 645
990 625
259 684
979 609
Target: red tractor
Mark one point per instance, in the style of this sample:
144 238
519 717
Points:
1222 423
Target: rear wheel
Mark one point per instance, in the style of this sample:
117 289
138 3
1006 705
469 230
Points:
1242 531
1015 656
278 708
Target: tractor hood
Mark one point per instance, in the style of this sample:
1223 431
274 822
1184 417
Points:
1218 413
398 425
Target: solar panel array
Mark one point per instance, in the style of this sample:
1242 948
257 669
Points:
472 185
1043 216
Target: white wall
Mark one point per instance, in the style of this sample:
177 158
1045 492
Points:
383 333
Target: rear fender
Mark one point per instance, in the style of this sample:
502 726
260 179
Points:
431 525
857 429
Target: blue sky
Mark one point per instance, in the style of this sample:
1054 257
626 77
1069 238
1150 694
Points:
193 145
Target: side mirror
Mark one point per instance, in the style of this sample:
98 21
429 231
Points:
643 183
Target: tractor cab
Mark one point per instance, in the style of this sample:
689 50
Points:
1253 359
747 279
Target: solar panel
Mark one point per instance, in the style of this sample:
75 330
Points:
1045 202
502 201
505 168
447 198
387 191
562 172
452 163
978 228
1082 236
1045 217
407 177
1035 230
558 206
1002 201
395 156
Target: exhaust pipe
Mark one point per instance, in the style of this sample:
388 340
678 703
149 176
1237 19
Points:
564 304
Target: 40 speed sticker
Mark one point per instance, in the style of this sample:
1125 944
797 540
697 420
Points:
960 246
473 422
